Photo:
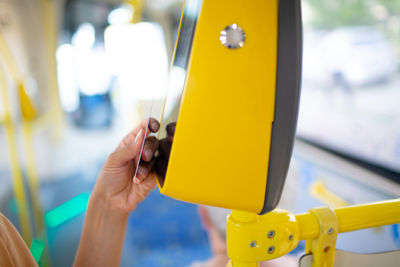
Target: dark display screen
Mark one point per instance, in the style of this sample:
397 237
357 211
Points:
176 84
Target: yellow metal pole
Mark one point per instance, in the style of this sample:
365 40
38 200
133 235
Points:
8 59
252 238
368 215
32 175
244 217
137 9
18 184
244 264
33 181
28 114
353 218
50 34
322 193
309 226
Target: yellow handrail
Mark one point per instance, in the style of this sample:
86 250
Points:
18 184
50 34
353 218
28 114
253 238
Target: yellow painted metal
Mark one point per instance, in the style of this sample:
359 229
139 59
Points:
26 105
314 226
243 216
137 9
27 108
254 238
50 34
241 264
368 215
244 264
31 174
320 192
33 182
354 218
221 146
8 60
28 114
309 226
18 184
323 247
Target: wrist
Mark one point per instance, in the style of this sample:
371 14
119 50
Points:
103 233
102 205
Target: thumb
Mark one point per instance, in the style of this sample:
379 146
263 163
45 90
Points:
128 150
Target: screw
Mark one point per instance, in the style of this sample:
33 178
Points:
271 249
290 237
271 234
253 244
232 37
330 231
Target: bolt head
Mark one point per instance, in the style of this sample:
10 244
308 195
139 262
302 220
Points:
232 37
271 234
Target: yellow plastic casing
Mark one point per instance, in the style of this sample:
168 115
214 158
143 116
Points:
221 146
253 238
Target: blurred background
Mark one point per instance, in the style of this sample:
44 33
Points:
77 75
351 81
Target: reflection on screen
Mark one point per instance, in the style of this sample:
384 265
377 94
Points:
351 80
176 84
181 60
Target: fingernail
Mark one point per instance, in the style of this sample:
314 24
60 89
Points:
155 125
138 136
148 154
141 172
136 180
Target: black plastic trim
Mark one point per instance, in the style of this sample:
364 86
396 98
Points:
288 79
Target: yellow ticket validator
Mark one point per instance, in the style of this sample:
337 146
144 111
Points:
233 97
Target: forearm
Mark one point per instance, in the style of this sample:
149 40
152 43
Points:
103 234
115 195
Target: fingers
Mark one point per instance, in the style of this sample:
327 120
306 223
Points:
146 165
141 191
129 147
150 147
145 168
154 125
127 151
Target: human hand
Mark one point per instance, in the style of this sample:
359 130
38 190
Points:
116 182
